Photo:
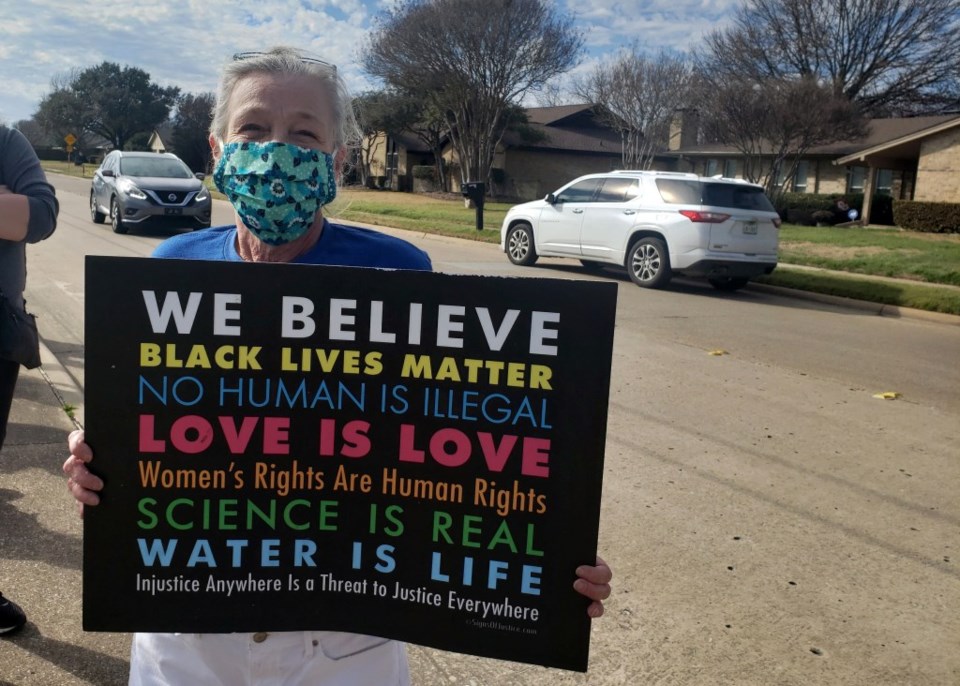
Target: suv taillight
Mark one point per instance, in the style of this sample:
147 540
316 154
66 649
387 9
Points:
705 217
776 222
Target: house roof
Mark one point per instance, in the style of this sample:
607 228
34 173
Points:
879 133
567 127
597 140
412 142
906 144
555 115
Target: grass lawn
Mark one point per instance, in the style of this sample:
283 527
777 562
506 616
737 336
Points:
69 168
899 293
429 214
929 257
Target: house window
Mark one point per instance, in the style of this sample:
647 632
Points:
713 168
730 169
392 159
885 182
781 177
800 177
856 177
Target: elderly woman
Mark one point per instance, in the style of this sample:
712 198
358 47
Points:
280 128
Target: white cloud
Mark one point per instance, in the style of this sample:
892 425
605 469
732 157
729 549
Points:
184 42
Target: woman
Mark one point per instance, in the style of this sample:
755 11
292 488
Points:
28 214
280 129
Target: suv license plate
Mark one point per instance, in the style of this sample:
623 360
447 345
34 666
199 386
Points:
750 228
179 210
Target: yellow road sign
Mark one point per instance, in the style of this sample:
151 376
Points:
70 139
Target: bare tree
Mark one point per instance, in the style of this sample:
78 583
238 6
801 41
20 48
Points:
775 122
61 112
887 56
33 132
191 130
640 95
469 60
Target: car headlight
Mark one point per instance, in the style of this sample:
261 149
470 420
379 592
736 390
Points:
129 188
202 195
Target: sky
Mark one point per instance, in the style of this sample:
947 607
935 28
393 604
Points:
184 42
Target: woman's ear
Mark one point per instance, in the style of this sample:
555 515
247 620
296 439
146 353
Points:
339 163
215 149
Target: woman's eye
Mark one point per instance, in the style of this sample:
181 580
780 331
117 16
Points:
250 128
307 134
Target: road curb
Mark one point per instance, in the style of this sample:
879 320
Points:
865 305
62 384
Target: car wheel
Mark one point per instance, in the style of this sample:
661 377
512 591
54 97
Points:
115 220
729 283
649 263
520 248
592 266
96 215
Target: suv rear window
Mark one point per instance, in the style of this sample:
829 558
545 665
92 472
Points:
741 197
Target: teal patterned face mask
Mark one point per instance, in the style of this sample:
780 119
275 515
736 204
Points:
276 188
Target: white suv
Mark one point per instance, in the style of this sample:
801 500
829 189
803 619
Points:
655 224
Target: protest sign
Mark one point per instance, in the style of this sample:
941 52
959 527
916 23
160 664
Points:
405 454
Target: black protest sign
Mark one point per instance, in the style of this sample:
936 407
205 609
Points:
405 454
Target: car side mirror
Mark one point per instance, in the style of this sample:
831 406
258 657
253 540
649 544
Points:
551 198
107 172
200 175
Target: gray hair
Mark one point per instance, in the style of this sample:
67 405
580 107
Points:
287 61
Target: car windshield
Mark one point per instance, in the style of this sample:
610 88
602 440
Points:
154 166
738 196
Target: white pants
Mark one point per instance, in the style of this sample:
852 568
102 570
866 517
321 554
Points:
298 658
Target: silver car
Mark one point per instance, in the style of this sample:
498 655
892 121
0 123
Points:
656 224
133 188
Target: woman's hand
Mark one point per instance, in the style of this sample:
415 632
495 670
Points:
81 482
594 583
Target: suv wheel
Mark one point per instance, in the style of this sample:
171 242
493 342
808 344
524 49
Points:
96 215
115 220
729 283
520 248
649 263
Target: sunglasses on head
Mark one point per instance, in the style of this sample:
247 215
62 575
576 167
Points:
237 57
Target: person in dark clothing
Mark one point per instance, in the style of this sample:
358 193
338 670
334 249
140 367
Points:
28 214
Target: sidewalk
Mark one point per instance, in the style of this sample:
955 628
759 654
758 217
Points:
41 546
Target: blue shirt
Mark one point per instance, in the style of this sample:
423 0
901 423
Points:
339 245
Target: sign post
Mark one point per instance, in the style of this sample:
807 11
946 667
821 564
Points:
69 139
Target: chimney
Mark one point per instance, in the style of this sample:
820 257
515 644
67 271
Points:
684 128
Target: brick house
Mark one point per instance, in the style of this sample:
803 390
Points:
567 142
909 158
573 141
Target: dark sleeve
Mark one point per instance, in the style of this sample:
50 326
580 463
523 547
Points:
22 174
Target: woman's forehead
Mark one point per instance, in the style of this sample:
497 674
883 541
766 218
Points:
289 93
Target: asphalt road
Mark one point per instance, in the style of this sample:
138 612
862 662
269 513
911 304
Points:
768 520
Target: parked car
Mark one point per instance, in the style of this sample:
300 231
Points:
656 224
133 188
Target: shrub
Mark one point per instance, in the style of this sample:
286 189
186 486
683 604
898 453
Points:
823 216
881 210
424 171
798 208
51 154
932 217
